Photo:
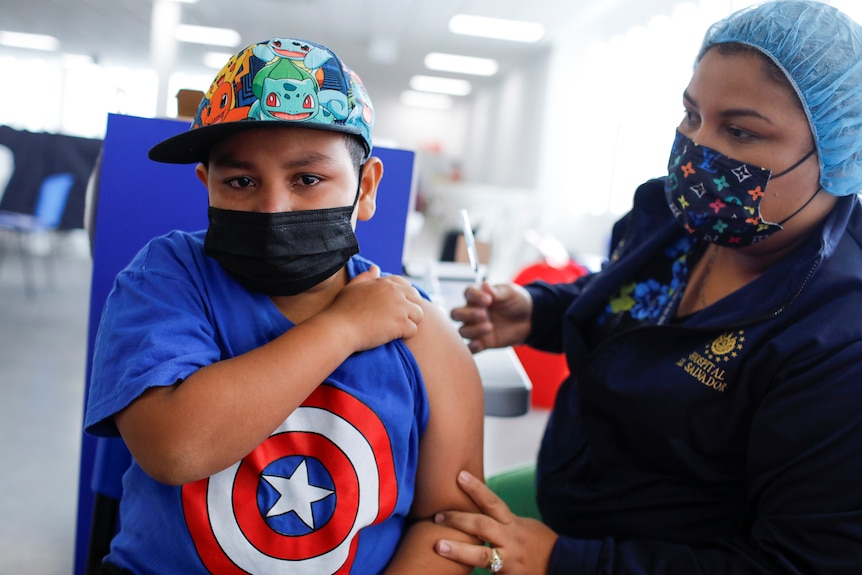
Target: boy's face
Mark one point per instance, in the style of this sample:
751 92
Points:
277 169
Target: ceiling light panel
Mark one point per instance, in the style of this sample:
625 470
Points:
461 64
216 60
425 100
29 41
451 86
207 35
512 30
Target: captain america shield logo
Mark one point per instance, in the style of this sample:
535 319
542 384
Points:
296 503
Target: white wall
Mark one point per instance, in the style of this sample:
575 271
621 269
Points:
624 98
506 124
577 130
421 128
566 131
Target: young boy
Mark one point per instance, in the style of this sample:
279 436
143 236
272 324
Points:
289 409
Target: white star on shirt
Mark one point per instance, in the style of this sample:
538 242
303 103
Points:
296 494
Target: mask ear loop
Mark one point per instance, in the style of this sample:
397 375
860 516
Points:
358 185
796 165
784 221
787 171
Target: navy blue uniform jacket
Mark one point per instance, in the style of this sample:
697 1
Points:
726 442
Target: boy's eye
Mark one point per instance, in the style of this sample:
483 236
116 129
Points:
240 182
308 180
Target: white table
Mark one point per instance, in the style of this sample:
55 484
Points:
506 384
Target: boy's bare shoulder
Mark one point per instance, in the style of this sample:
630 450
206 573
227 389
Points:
438 347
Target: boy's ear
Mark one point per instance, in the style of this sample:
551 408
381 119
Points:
201 172
372 172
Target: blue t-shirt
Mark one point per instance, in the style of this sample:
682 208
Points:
327 492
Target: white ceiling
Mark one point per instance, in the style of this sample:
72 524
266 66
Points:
116 32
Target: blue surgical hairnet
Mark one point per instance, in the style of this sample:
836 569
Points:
819 49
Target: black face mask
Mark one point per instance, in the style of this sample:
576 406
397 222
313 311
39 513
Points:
282 253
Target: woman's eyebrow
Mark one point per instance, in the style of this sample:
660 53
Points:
687 97
730 112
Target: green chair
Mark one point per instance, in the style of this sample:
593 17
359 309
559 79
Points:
517 487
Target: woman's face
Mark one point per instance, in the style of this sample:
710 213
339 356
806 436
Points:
735 107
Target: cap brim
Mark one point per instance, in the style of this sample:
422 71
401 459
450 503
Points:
193 146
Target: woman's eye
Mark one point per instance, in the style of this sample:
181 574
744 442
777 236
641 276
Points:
689 117
739 134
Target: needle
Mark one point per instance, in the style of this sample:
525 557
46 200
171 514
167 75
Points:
470 242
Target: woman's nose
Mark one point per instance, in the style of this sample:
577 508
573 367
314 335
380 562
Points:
709 141
706 136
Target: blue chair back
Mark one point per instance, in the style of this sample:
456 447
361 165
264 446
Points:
53 194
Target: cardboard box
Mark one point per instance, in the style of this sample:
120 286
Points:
483 250
188 102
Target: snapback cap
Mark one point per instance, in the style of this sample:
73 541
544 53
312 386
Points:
277 82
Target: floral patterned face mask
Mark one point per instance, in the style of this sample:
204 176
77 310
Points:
718 198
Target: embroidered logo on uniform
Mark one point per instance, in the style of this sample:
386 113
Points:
296 503
705 366
725 347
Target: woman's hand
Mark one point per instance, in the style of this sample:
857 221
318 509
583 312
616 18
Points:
494 316
523 545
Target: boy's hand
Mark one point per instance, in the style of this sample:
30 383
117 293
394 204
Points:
378 309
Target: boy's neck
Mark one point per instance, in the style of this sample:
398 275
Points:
298 308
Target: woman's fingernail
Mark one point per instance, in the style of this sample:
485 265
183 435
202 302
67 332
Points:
439 518
464 477
443 547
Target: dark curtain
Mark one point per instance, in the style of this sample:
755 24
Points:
39 154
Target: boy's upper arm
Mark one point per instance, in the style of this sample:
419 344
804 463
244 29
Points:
453 439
